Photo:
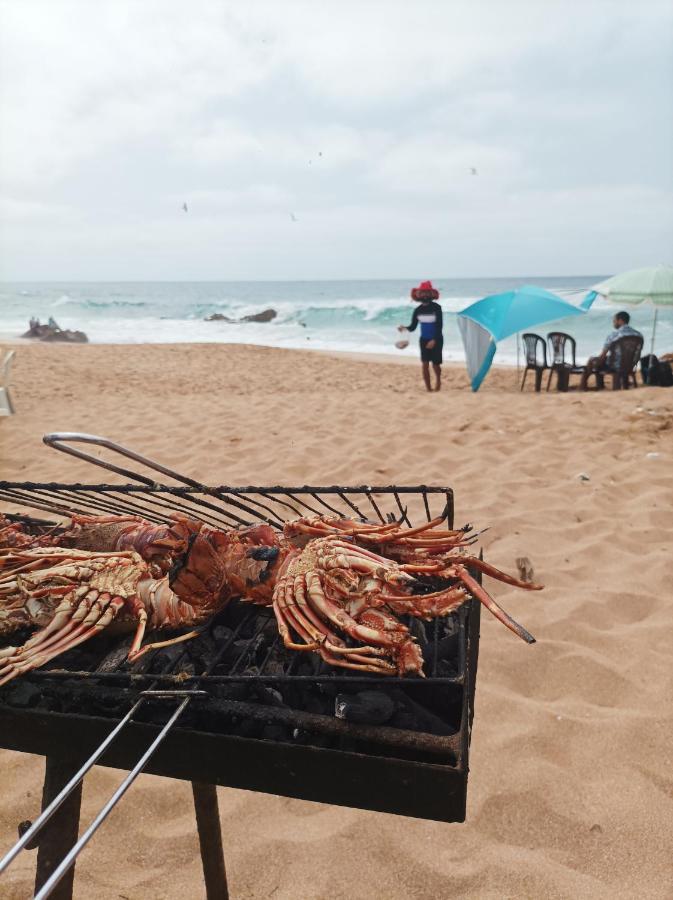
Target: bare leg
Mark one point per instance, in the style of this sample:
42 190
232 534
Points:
438 376
426 375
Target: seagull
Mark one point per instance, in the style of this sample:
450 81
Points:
473 171
184 206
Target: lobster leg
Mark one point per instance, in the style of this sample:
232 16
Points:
393 643
67 616
135 654
428 606
286 619
95 619
484 597
293 611
369 532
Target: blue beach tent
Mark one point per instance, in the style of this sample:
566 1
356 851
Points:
494 318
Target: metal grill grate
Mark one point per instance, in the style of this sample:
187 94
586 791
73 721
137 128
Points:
246 686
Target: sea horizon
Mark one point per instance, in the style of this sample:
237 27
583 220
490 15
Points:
348 315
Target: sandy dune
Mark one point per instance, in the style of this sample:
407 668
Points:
571 787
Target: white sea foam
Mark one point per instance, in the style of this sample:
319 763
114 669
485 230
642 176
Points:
344 316
63 300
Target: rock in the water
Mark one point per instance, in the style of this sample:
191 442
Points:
218 317
70 337
52 331
265 316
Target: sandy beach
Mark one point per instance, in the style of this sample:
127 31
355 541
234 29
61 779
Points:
570 792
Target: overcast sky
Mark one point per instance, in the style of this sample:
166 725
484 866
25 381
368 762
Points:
334 140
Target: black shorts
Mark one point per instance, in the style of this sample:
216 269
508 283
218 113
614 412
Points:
435 354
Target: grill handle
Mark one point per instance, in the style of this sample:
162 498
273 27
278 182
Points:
61 440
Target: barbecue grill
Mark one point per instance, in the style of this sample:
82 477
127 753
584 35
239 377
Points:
233 707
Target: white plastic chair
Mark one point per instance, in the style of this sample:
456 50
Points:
6 405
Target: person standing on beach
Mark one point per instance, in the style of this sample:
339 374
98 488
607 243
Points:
428 314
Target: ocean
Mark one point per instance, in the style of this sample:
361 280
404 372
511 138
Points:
354 316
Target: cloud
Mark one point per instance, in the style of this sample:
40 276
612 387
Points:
364 119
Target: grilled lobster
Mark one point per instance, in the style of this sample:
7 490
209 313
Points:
336 586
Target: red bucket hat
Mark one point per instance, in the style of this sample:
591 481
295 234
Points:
424 291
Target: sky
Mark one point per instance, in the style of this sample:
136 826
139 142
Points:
334 140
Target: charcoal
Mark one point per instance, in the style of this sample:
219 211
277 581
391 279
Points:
447 649
186 669
365 707
417 630
270 629
311 703
165 660
268 695
414 717
257 646
201 651
237 612
310 664
275 733
222 634
237 649
234 690
141 666
274 667
249 728
116 657
447 668
25 694
328 691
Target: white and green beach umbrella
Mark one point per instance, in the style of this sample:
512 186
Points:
652 285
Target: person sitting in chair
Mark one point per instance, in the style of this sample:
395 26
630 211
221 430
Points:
598 364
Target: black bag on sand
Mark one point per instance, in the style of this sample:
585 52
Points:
665 374
656 372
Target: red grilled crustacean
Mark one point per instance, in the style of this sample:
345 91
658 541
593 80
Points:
74 593
425 552
14 534
336 586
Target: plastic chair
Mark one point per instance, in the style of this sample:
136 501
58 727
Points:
627 350
6 405
532 343
562 349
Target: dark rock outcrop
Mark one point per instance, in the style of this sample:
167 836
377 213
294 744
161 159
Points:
218 317
265 316
53 332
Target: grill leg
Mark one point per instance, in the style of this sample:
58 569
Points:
61 831
210 840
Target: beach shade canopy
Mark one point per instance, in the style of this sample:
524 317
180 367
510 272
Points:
652 285
494 318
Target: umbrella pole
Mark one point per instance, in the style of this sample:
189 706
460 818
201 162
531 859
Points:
654 330
517 360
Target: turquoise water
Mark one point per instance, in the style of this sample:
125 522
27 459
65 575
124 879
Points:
356 316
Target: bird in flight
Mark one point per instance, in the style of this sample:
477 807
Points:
293 217
473 171
184 206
